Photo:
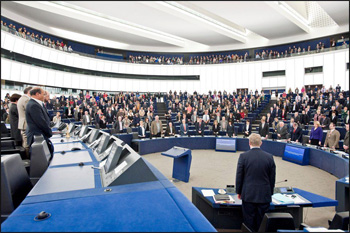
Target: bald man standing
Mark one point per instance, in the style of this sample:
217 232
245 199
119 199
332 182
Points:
38 121
255 181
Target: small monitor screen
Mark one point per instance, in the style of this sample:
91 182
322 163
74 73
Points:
71 127
102 142
113 157
82 131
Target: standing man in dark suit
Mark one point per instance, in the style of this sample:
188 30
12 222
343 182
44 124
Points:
170 130
255 181
38 122
247 129
296 134
200 126
264 128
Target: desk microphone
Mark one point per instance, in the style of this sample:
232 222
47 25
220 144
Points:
95 167
282 181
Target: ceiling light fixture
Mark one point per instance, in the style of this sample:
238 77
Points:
210 20
289 10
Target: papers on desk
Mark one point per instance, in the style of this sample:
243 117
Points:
279 198
208 192
321 229
218 200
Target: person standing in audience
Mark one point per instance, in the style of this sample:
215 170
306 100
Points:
230 129
334 118
304 119
255 182
346 139
332 137
282 131
263 128
37 119
200 127
170 130
13 115
324 122
103 122
275 124
57 119
316 134
22 122
247 129
184 128
216 128
296 134
147 124
86 118
142 130
156 127
206 118
119 125
223 124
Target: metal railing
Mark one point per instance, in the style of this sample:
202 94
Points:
65 49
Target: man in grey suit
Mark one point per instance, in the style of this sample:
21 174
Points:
86 119
255 181
282 131
22 123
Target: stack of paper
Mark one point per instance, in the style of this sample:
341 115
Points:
208 192
282 198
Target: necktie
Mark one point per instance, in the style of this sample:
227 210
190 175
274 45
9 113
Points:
184 127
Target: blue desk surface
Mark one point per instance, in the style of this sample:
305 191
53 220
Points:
120 210
67 146
316 200
176 152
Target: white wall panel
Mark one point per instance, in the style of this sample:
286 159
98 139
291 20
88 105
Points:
108 66
59 78
265 66
3 36
107 84
258 76
100 66
25 72
298 78
77 61
5 68
273 65
265 82
84 63
75 81
34 74
43 77
9 43
318 60
16 71
346 80
67 79
245 75
281 65
114 84
69 60
281 82
53 55
347 56
92 64
37 50
318 79
339 69
273 82
28 49
19 46
239 76
308 62
328 69
61 58
99 83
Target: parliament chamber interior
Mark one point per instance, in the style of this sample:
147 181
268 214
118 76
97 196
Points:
180 116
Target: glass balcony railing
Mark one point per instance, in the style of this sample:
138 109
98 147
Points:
152 62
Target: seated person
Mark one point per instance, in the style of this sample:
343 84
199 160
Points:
199 127
57 119
178 117
230 129
264 128
332 137
170 129
296 135
282 131
183 128
168 115
142 130
247 129
216 128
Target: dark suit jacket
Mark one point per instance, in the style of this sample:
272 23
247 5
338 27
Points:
334 120
167 131
116 126
230 129
255 176
182 130
216 129
38 122
326 121
200 129
15 132
249 129
298 135
264 131
304 119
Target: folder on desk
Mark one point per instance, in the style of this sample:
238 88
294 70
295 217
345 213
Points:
223 199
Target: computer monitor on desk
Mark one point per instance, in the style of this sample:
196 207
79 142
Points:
84 129
102 142
124 166
92 136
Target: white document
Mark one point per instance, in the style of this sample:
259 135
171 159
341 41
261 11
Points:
208 192
320 229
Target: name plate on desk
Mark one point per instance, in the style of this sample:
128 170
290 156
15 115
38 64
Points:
296 154
225 144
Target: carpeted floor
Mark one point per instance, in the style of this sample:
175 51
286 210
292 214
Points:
213 169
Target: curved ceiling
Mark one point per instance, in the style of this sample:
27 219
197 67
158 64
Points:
179 26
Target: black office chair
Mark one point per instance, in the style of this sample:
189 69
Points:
340 221
274 221
15 184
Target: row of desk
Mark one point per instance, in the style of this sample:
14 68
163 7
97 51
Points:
72 192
